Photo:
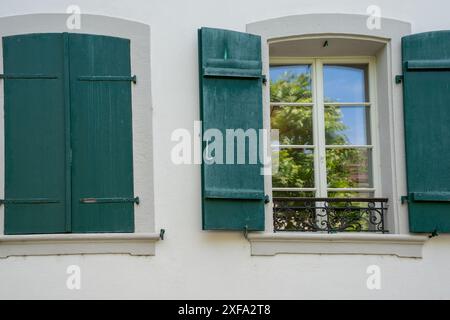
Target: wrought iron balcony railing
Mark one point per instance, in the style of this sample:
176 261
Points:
331 215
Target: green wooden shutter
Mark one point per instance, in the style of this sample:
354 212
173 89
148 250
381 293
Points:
101 129
426 60
231 98
35 144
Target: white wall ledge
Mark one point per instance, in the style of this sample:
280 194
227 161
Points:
404 246
136 244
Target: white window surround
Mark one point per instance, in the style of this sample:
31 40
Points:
142 242
349 26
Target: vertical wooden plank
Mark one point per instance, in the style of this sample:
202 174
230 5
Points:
34 134
68 148
101 127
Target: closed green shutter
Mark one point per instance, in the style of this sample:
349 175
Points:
34 134
68 134
426 61
101 129
231 98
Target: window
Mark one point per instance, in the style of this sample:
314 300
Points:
327 166
68 134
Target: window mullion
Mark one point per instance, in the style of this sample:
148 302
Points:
374 129
320 131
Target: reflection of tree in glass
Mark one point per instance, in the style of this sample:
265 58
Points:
295 125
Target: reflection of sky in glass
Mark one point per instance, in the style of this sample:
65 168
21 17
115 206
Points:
277 72
341 84
344 83
354 118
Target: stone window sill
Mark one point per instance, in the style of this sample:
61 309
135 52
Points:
136 244
405 246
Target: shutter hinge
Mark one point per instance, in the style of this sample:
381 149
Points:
27 201
264 79
132 78
266 199
109 200
399 79
28 76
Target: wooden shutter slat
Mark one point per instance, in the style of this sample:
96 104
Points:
440 64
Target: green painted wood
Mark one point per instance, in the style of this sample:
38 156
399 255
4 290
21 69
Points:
427 133
231 98
101 134
430 196
440 64
34 134
67 133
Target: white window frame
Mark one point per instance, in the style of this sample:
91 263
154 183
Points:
320 171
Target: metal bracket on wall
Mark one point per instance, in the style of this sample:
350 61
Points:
246 232
404 199
162 232
27 201
264 79
399 79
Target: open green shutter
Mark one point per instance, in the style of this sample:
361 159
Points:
101 130
35 140
426 67
231 98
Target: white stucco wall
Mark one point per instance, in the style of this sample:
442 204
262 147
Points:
191 263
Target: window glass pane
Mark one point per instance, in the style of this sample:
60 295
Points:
347 125
294 125
290 83
295 169
294 194
345 83
351 195
349 168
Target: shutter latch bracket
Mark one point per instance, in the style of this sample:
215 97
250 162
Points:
434 234
399 79
246 232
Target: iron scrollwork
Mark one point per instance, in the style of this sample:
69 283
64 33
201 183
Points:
331 215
